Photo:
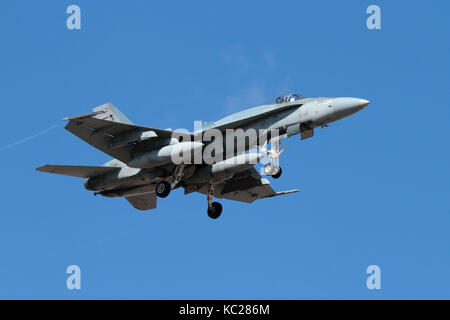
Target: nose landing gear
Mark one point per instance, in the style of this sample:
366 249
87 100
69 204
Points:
214 208
272 169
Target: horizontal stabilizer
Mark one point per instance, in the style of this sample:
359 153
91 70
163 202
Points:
77 171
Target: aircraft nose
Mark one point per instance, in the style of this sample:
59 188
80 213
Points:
364 103
356 104
345 107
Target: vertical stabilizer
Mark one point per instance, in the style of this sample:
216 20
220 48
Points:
111 113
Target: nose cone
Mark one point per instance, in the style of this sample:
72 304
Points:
348 106
344 107
356 104
363 103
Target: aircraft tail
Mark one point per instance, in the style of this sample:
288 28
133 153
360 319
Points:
112 113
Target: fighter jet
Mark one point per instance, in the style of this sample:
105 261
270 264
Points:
144 166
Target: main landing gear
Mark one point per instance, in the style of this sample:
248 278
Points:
163 188
214 208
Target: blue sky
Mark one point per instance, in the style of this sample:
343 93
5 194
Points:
374 187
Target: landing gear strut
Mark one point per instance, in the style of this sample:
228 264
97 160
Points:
214 208
178 175
272 168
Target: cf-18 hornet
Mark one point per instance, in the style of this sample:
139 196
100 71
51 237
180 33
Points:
217 159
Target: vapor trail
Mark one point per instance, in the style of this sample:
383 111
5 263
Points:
30 138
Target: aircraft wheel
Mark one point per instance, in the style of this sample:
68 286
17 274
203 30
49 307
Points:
162 189
268 169
215 210
278 174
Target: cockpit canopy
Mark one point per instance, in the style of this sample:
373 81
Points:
288 98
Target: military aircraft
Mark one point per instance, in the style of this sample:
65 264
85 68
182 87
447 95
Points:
143 167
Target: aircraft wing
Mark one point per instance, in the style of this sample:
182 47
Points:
143 201
119 140
246 186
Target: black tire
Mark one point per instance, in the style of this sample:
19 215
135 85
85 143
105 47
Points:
278 174
162 189
215 211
